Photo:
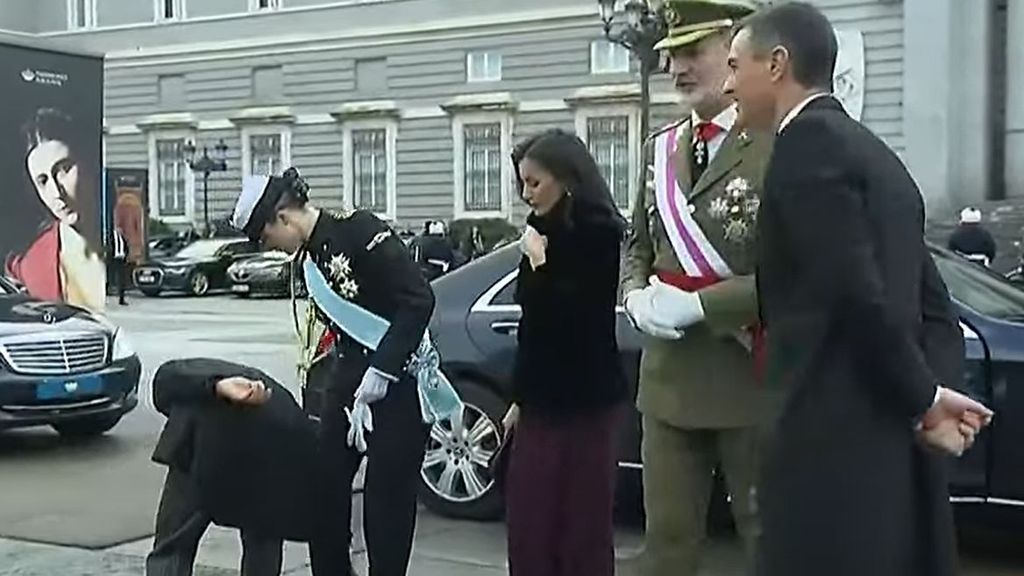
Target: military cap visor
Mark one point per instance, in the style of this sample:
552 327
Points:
690 21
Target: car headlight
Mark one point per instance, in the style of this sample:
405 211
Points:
123 348
177 271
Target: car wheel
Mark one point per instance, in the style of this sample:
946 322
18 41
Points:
87 427
150 292
455 480
199 284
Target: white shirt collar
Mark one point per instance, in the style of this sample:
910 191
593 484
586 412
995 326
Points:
798 109
726 119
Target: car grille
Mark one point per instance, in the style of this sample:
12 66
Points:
69 355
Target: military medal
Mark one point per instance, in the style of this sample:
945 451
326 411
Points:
737 209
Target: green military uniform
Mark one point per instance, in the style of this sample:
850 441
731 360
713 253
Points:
698 395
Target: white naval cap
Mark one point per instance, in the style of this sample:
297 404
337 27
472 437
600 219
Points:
970 216
253 188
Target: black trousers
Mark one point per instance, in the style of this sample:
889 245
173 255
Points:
120 269
394 455
180 525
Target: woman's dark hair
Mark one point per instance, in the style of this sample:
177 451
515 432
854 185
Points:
588 198
290 188
53 125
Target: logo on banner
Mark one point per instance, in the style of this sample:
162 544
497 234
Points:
44 77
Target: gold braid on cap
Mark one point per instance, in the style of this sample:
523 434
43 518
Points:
702 26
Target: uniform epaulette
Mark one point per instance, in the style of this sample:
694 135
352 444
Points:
663 129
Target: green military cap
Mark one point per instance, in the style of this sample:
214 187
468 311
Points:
691 21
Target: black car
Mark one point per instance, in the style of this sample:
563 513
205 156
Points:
63 367
196 269
164 246
269 274
475 323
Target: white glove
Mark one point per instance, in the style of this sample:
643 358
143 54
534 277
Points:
638 307
373 388
674 308
360 423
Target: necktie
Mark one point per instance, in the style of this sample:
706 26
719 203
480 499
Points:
703 134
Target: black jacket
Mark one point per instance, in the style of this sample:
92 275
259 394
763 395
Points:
568 360
367 263
860 329
253 465
434 254
973 239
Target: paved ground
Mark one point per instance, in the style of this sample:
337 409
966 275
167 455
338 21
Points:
87 509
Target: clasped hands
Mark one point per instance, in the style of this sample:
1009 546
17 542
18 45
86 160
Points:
953 422
662 310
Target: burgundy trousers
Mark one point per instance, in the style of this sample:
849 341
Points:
560 492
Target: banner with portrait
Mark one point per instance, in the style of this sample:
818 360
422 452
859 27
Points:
126 209
51 124
848 77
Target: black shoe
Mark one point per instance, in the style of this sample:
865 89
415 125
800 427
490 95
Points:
123 303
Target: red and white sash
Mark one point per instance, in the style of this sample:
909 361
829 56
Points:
698 258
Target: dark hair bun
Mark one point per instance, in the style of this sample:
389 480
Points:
296 185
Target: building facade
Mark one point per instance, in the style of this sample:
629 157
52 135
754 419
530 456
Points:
411 107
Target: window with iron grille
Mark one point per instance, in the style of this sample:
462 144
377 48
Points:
256 5
170 9
608 58
265 154
483 167
608 140
172 176
81 14
483 67
370 169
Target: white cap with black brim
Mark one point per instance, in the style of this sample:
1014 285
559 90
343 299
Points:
255 206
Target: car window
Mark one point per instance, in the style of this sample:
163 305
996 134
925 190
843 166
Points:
506 296
980 290
237 249
201 249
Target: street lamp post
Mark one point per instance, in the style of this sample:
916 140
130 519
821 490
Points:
644 28
207 165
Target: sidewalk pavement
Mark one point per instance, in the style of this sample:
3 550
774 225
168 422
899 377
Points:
443 548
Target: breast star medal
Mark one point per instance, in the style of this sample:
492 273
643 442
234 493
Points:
737 210
341 275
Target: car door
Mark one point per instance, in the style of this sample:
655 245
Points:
493 324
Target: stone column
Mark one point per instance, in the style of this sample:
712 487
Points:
945 100
1015 99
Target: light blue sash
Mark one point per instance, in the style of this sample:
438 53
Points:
438 399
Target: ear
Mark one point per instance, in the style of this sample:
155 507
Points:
283 217
778 63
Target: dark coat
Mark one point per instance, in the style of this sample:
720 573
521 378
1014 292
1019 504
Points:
367 263
860 330
434 254
567 360
973 239
253 465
